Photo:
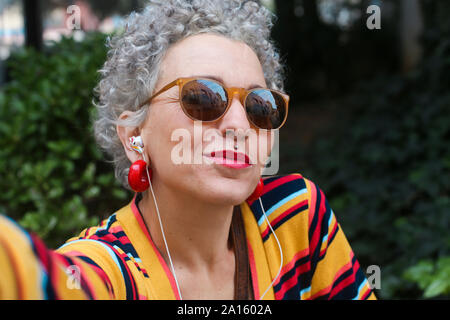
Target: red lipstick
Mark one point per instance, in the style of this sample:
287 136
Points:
231 159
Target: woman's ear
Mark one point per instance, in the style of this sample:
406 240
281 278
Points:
125 133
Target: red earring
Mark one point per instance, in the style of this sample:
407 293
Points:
137 176
257 192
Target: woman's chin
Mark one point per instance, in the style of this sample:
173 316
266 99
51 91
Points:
214 187
227 193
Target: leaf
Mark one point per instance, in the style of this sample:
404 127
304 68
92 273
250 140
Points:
92 192
436 288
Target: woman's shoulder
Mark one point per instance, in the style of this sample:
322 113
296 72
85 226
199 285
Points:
107 240
108 234
290 188
281 186
286 196
108 248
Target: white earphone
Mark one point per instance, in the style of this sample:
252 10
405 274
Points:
137 144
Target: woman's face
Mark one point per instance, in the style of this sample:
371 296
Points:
205 55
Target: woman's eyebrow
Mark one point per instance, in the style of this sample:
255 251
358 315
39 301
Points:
219 79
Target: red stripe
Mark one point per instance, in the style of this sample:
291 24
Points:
322 292
253 271
56 262
104 278
106 240
85 284
107 237
316 235
288 267
41 250
347 281
139 219
123 255
272 185
86 232
338 274
115 229
291 264
344 283
163 263
99 271
293 280
124 240
276 183
366 294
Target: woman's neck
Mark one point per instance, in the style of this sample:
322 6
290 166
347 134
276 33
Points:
197 233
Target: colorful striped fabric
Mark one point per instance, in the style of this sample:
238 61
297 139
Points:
118 259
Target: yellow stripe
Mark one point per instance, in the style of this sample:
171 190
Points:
336 257
158 285
259 253
283 208
8 289
96 252
26 266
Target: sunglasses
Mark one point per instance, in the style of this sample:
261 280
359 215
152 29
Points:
208 100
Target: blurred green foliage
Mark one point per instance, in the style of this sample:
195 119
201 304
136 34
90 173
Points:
54 180
384 164
432 278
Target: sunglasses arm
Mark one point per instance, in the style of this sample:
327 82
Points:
165 88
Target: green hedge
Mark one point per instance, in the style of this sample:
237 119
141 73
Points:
54 180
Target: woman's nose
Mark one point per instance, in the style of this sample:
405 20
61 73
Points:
235 118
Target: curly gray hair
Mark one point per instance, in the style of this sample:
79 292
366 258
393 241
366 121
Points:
131 71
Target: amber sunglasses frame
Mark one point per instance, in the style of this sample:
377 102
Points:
231 92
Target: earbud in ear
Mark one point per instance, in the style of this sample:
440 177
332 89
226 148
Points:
137 144
139 173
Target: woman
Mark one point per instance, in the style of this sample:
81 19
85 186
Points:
203 224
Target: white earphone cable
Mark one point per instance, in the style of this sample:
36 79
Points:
279 247
163 235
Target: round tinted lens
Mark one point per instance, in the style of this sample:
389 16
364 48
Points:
266 109
204 100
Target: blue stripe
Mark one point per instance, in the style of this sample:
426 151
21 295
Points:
325 238
108 223
331 218
280 203
304 291
359 289
44 281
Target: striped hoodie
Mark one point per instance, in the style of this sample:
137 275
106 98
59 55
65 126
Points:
118 259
